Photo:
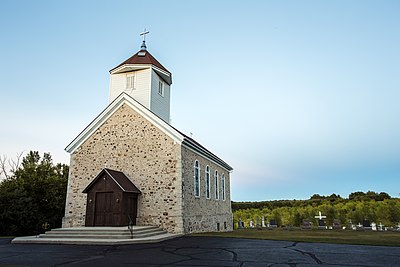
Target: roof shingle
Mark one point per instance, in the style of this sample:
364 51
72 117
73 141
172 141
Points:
142 60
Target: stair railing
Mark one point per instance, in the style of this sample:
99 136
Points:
130 226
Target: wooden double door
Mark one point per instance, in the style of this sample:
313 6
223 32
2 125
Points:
112 209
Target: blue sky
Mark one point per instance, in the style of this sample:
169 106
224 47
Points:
300 97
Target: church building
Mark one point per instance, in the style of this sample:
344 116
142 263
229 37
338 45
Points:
130 166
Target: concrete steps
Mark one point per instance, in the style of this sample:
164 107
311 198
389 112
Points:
99 236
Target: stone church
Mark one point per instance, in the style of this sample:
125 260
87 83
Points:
130 166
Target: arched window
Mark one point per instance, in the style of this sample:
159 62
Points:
196 179
223 186
207 182
216 185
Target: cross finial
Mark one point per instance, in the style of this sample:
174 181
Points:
143 47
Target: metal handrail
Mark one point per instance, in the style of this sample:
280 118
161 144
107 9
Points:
130 226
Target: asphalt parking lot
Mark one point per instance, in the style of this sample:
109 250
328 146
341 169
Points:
199 251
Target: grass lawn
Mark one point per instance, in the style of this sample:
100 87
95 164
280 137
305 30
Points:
322 236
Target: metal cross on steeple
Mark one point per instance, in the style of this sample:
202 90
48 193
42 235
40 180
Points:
143 47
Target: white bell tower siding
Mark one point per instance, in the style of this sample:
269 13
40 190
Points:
160 97
141 85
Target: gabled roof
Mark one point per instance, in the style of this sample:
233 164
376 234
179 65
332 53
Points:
142 57
172 132
142 60
119 178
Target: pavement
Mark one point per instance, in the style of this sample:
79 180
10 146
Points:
199 251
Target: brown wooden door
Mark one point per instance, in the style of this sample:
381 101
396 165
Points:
103 214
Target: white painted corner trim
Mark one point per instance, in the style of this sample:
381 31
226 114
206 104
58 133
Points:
124 98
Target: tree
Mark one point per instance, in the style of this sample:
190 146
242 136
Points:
357 195
33 195
9 166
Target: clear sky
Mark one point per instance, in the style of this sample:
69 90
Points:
300 97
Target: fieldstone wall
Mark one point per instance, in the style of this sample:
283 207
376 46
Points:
199 213
129 143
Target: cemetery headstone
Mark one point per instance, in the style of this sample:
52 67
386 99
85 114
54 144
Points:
258 223
380 226
351 226
306 225
263 222
321 224
251 224
321 220
240 224
337 224
273 223
373 226
366 224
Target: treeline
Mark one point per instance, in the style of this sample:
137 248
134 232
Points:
314 200
32 198
359 206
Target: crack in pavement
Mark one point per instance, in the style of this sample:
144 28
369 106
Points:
234 254
318 261
311 255
292 245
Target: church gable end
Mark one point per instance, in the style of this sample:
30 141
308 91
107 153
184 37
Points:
128 142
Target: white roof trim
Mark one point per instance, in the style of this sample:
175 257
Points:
131 67
140 66
123 98
134 67
161 70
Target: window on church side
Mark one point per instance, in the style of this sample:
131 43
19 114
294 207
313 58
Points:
130 82
161 88
196 179
223 186
208 182
216 185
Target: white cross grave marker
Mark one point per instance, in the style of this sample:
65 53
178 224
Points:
320 216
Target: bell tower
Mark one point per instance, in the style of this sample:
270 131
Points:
144 78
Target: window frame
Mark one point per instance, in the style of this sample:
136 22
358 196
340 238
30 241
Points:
161 86
223 186
130 81
196 180
208 180
216 185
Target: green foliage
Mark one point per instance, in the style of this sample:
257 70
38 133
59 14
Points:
33 195
359 206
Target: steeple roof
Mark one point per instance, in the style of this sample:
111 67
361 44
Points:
143 57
